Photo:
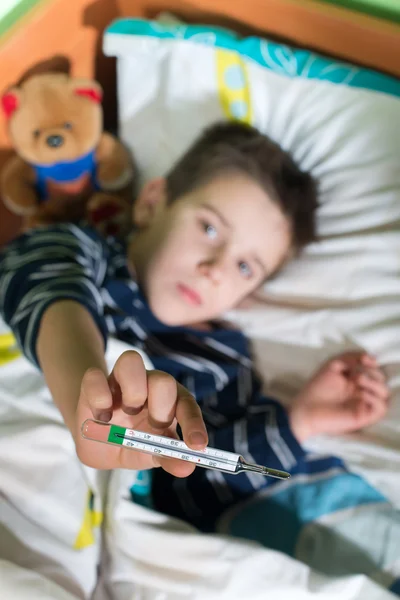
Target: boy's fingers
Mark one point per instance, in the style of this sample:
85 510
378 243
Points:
161 399
369 361
337 365
96 393
373 386
367 409
371 408
357 358
168 399
190 420
178 468
375 373
346 361
130 374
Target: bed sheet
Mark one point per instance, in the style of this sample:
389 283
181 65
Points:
53 512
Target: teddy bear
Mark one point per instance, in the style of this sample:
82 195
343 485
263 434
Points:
65 168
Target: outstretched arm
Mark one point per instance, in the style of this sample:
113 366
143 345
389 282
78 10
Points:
49 296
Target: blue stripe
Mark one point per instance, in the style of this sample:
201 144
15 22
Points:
320 465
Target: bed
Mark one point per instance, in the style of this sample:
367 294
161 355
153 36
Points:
51 508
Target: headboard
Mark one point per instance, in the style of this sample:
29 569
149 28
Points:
68 36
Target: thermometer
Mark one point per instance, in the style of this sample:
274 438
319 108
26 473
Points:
159 445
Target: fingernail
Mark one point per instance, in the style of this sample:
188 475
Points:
131 410
197 439
104 415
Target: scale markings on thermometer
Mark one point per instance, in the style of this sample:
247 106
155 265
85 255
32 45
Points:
209 458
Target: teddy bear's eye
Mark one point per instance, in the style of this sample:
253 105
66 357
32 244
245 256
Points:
36 133
67 125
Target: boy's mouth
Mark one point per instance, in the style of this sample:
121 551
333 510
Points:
189 295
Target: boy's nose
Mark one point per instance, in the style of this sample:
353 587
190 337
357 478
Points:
211 269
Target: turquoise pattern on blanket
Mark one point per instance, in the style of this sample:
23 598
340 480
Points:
279 58
141 488
326 520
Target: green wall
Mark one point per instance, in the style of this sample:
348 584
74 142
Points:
12 10
386 9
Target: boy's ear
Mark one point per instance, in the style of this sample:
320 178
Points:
151 199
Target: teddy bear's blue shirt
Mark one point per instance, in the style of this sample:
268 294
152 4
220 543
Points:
65 172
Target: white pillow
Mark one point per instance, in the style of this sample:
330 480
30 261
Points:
345 290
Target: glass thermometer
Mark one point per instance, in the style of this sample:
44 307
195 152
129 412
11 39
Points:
209 458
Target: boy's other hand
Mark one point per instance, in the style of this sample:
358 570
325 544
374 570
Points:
348 393
132 397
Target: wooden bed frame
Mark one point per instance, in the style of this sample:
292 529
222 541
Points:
67 35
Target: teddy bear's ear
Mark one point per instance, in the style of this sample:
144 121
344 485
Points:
10 102
88 89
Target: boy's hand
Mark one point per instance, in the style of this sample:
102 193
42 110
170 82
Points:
150 401
346 394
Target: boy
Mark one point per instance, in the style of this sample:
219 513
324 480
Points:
226 218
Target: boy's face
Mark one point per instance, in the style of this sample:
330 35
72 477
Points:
201 255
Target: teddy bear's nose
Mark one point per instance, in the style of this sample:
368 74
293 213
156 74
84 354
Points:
55 141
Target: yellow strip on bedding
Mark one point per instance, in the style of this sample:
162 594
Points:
233 86
91 519
8 348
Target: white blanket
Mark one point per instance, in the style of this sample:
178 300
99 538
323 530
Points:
50 545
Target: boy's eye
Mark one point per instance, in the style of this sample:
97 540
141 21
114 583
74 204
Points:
210 231
245 269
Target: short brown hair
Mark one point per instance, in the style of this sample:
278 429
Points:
234 146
